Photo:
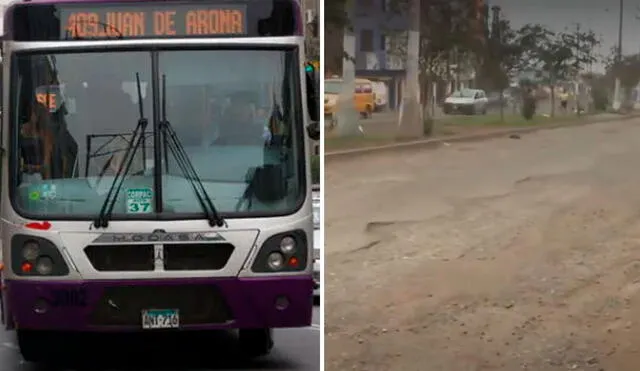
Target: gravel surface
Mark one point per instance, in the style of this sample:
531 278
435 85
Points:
506 254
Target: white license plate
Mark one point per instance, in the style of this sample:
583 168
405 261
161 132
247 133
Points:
160 318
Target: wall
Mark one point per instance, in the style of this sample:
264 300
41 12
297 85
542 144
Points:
375 18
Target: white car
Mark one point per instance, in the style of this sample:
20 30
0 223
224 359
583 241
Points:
317 248
466 101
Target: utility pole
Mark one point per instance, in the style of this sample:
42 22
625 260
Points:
410 123
496 44
578 93
347 117
617 98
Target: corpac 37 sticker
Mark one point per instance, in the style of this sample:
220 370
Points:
139 200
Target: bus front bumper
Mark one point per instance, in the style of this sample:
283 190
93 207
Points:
201 304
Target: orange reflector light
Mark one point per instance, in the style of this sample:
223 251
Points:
1 266
44 226
26 267
293 261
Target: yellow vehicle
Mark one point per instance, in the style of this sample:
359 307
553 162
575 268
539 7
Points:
363 96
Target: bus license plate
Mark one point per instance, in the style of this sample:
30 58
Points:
160 318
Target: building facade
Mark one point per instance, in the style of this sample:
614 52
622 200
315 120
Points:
381 34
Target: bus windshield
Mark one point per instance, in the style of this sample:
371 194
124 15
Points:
233 111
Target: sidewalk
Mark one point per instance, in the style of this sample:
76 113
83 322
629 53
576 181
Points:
380 133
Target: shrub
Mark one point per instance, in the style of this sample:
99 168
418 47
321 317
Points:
529 107
600 99
427 126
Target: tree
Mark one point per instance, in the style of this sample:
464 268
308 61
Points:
336 19
582 43
600 88
312 42
628 69
335 13
446 30
555 56
503 59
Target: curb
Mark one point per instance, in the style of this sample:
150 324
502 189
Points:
437 142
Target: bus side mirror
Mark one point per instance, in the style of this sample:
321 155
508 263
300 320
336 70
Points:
313 129
313 101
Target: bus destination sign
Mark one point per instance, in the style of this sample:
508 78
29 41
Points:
153 20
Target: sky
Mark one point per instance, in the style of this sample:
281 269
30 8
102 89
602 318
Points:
602 16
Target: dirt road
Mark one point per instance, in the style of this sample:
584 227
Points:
499 255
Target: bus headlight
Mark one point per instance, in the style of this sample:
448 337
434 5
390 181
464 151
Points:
288 245
275 261
36 256
44 265
31 250
283 252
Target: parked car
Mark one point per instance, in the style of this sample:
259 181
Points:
317 248
364 99
381 91
466 101
493 99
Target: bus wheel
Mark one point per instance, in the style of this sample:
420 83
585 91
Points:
36 346
255 342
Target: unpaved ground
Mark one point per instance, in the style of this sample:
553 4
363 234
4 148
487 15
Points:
499 255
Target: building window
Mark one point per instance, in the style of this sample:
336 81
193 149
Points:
394 42
366 41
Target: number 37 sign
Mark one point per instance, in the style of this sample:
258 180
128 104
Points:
139 200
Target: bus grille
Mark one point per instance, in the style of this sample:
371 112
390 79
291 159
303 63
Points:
109 258
197 304
179 257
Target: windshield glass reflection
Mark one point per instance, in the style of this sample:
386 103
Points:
76 113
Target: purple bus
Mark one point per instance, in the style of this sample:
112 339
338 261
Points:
156 173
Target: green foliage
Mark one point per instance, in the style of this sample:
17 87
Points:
628 70
315 169
556 55
449 34
600 99
503 56
445 26
335 13
528 107
336 19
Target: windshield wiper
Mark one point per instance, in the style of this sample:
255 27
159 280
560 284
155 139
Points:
173 143
125 165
